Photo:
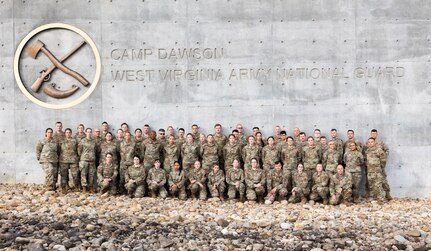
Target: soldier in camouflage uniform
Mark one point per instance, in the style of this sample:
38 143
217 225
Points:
323 145
317 135
80 134
189 153
290 156
354 161
277 134
282 143
216 182
181 138
68 161
231 151
270 155
202 140
156 180
338 142
127 151
87 150
311 155
220 140
242 139
259 140
210 154
331 158
105 129
109 146
139 142
351 139
319 188
177 180
276 183
161 137
197 181
195 134
58 134
375 160
153 150
235 181
135 176
301 185
255 181
250 151
47 154
340 187
99 140
107 173
171 154
302 141
296 136
385 149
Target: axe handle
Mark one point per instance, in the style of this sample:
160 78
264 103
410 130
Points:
36 85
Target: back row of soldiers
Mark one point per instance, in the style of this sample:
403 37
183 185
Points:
82 153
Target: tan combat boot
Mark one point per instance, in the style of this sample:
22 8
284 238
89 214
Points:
84 189
325 201
241 198
388 196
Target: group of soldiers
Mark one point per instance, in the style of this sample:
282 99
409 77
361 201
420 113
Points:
281 167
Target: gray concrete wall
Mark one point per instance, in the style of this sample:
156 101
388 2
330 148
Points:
344 37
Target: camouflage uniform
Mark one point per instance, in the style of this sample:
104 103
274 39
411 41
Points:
253 177
69 160
127 151
109 147
320 189
79 137
290 156
171 154
385 184
210 156
105 171
347 143
178 178
354 161
156 181
87 149
200 176
220 140
47 155
330 160
231 152
301 187
196 136
269 156
58 136
341 187
242 141
375 160
180 142
189 153
139 146
152 151
232 176
311 155
138 174
249 152
217 179
279 180
339 145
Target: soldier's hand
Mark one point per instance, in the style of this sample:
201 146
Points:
274 190
339 190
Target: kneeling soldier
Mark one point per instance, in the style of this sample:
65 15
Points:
340 187
255 181
301 187
156 180
107 175
276 182
320 189
197 179
216 182
135 178
235 180
177 181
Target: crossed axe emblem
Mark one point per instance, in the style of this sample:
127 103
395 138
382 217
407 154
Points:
51 90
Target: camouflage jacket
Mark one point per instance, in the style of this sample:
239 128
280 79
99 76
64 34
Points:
198 175
277 179
331 159
68 151
231 152
340 182
171 154
375 159
290 156
354 161
127 150
320 180
190 152
177 177
156 175
249 152
105 171
47 150
234 175
109 147
152 151
216 178
87 149
137 173
209 153
301 180
270 155
254 176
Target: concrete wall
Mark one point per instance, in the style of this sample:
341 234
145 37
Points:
344 37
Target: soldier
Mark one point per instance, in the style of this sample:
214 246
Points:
302 140
338 142
108 146
350 139
282 143
250 151
124 127
58 134
277 134
202 139
80 134
340 187
242 140
98 139
290 156
181 139
197 181
255 130
311 155
87 150
231 151
119 137
375 160
270 155
210 154
276 183
161 137
259 140
301 185
195 134
354 161
135 176
385 149
146 132
255 181
127 150
139 142
69 161
317 136
107 173
235 181
189 153
47 155
153 150
170 132
216 182
171 153
323 144
177 181
105 129
319 189
296 132
156 181
331 158
220 140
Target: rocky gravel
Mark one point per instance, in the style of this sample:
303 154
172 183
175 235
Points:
32 219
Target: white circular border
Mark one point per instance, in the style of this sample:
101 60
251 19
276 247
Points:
57 26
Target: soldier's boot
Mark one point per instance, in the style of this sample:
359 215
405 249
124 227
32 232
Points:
388 196
193 196
153 194
356 199
64 189
242 198
325 201
221 197
92 190
303 200
259 199
84 189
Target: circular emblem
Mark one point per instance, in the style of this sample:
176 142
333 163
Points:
57 66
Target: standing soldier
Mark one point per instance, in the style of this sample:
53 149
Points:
331 158
58 134
153 150
181 138
290 156
171 154
323 144
340 187
319 189
296 135
276 183
146 132
375 160
385 149
195 134
350 139
80 134
47 154
189 153
270 155
311 155
87 150
105 130
231 151
127 151
277 134
255 181
235 181
302 140
250 151
108 146
119 137
161 137
107 173
216 182
210 154
282 143
135 176
139 142
354 161
156 181
301 185
99 140
197 182
69 161
177 180
170 132
242 140
259 140
338 142
220 140
202 139
317 136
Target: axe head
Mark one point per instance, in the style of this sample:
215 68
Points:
34 48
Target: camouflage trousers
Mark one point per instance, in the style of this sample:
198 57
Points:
299 193
135 190
344 196
208 165
319 193
51 173
197 190
64 173
375 183
88 173
108 186
282 193
148 164
188 164
356 183
231 193
122 176
158 190
178 192
218 191
385 183
252 193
